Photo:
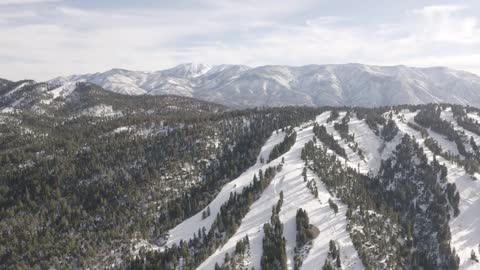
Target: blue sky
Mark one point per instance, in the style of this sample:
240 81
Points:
42 39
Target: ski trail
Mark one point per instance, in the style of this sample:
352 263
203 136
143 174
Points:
252 225
332 227
373 147
186 229
465 228
296 195
368 142
353 159
447 115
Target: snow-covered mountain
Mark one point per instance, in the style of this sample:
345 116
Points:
368 149
312 85
379 188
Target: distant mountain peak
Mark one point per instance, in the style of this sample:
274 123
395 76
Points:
350 84
189 70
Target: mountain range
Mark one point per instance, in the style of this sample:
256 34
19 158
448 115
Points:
143 179
310 85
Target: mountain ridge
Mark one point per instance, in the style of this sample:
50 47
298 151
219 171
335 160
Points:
350 84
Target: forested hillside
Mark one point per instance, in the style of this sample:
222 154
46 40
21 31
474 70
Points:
94 179
74 189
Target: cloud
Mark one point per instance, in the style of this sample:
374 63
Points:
22 2
447 23
65 40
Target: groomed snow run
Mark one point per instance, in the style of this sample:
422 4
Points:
296 195
465 228
186 229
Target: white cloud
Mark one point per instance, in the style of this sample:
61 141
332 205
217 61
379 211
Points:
70 40
447 23
21 2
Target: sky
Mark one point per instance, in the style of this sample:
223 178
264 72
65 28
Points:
43 39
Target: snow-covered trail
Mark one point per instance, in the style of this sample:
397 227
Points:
261 210
374 149
188 227
474 116
252 225
368 142
332 227
296 195
447 115
465 228
353 159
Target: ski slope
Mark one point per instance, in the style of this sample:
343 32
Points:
353 159
332 227
447 115
188 227
373 147
465 228
296 195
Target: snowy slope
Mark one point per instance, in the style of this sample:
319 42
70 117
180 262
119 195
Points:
332 227
448 116
296 195
188 227
465 228
353 159
313 85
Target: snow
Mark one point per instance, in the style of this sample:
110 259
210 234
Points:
465 228
188 227
9 110
141 131
61 91
296 195
447 115
474 116
332 227
353 159
373 147
447 145
349 84
17 88
368 142
100 110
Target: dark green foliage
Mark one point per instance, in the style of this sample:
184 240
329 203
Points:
373 117
430 118
333 261
415 180
354 190
423 131
433 146
389 131
333 115
470 165
274 255
204 244
305 233
84 190
342 128
473 256
302 221
283 146
464 121
242 245
237 259
327 139
333 205
420 181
